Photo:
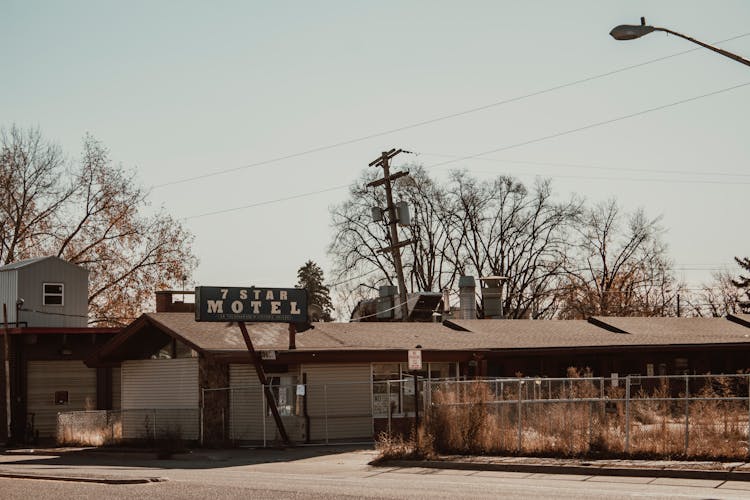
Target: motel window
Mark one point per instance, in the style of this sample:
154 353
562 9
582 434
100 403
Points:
284 390
386 388
52 294
393 385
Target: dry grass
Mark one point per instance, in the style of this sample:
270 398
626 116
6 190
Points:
87 436
91 428
483 418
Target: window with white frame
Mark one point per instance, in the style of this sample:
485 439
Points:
52 294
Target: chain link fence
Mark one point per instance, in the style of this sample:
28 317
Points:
338 412
684 415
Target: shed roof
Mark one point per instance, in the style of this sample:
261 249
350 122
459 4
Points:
13 266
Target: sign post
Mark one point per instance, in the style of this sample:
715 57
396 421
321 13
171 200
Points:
253 304
415 364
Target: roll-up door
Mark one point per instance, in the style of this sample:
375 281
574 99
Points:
160 397
339 401
250 419
58 386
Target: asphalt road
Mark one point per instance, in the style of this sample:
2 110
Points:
318 474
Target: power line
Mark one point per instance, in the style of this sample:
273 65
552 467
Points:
504 148
591 167
592 125
629 179
434 120
261 203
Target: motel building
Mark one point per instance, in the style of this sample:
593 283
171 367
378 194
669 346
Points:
347 382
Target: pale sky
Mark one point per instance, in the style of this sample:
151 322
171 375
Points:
184 89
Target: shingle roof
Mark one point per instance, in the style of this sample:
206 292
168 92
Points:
742 319
650 331
323 336
477 334
530 334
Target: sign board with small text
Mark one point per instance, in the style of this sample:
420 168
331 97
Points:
250 304
415 359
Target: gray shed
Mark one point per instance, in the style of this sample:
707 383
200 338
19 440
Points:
45 292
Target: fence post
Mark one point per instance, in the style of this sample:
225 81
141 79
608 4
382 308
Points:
263 412
520 410
591 423
325 408
202 406
390 406
687 414
627 414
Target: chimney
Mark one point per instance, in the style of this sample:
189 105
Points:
467 297
165 301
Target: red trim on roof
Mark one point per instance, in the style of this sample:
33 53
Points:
61 331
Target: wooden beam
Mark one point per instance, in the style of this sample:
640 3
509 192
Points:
255 358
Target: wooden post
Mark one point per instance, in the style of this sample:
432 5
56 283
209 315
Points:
6 355
255 358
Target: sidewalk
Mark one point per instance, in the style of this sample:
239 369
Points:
231 457
722 471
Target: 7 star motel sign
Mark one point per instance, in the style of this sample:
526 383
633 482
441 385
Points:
250 304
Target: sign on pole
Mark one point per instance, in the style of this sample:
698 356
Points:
250 304
415 359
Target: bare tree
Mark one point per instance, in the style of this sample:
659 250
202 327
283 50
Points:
743 282
473 227
89 214
621 267
716 299
501 228
358 241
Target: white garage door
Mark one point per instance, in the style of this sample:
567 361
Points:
58 386
160 398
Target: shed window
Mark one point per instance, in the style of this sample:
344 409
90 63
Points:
52 294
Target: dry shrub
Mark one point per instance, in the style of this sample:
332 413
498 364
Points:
482 418
395 447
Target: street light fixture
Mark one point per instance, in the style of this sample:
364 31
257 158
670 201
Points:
633 31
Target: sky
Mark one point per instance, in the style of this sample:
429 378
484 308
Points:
248 120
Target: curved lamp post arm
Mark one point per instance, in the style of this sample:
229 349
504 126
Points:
709 47
633 31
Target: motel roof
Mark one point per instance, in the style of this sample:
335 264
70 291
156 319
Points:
154 330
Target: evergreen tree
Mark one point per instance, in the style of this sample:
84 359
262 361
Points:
310 277
743 283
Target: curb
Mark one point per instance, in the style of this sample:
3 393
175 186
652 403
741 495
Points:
81 479
586 470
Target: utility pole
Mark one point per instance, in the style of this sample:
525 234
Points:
395 248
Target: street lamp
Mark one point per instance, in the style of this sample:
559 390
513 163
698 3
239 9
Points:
633 31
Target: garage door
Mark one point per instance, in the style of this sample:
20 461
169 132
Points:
58 386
